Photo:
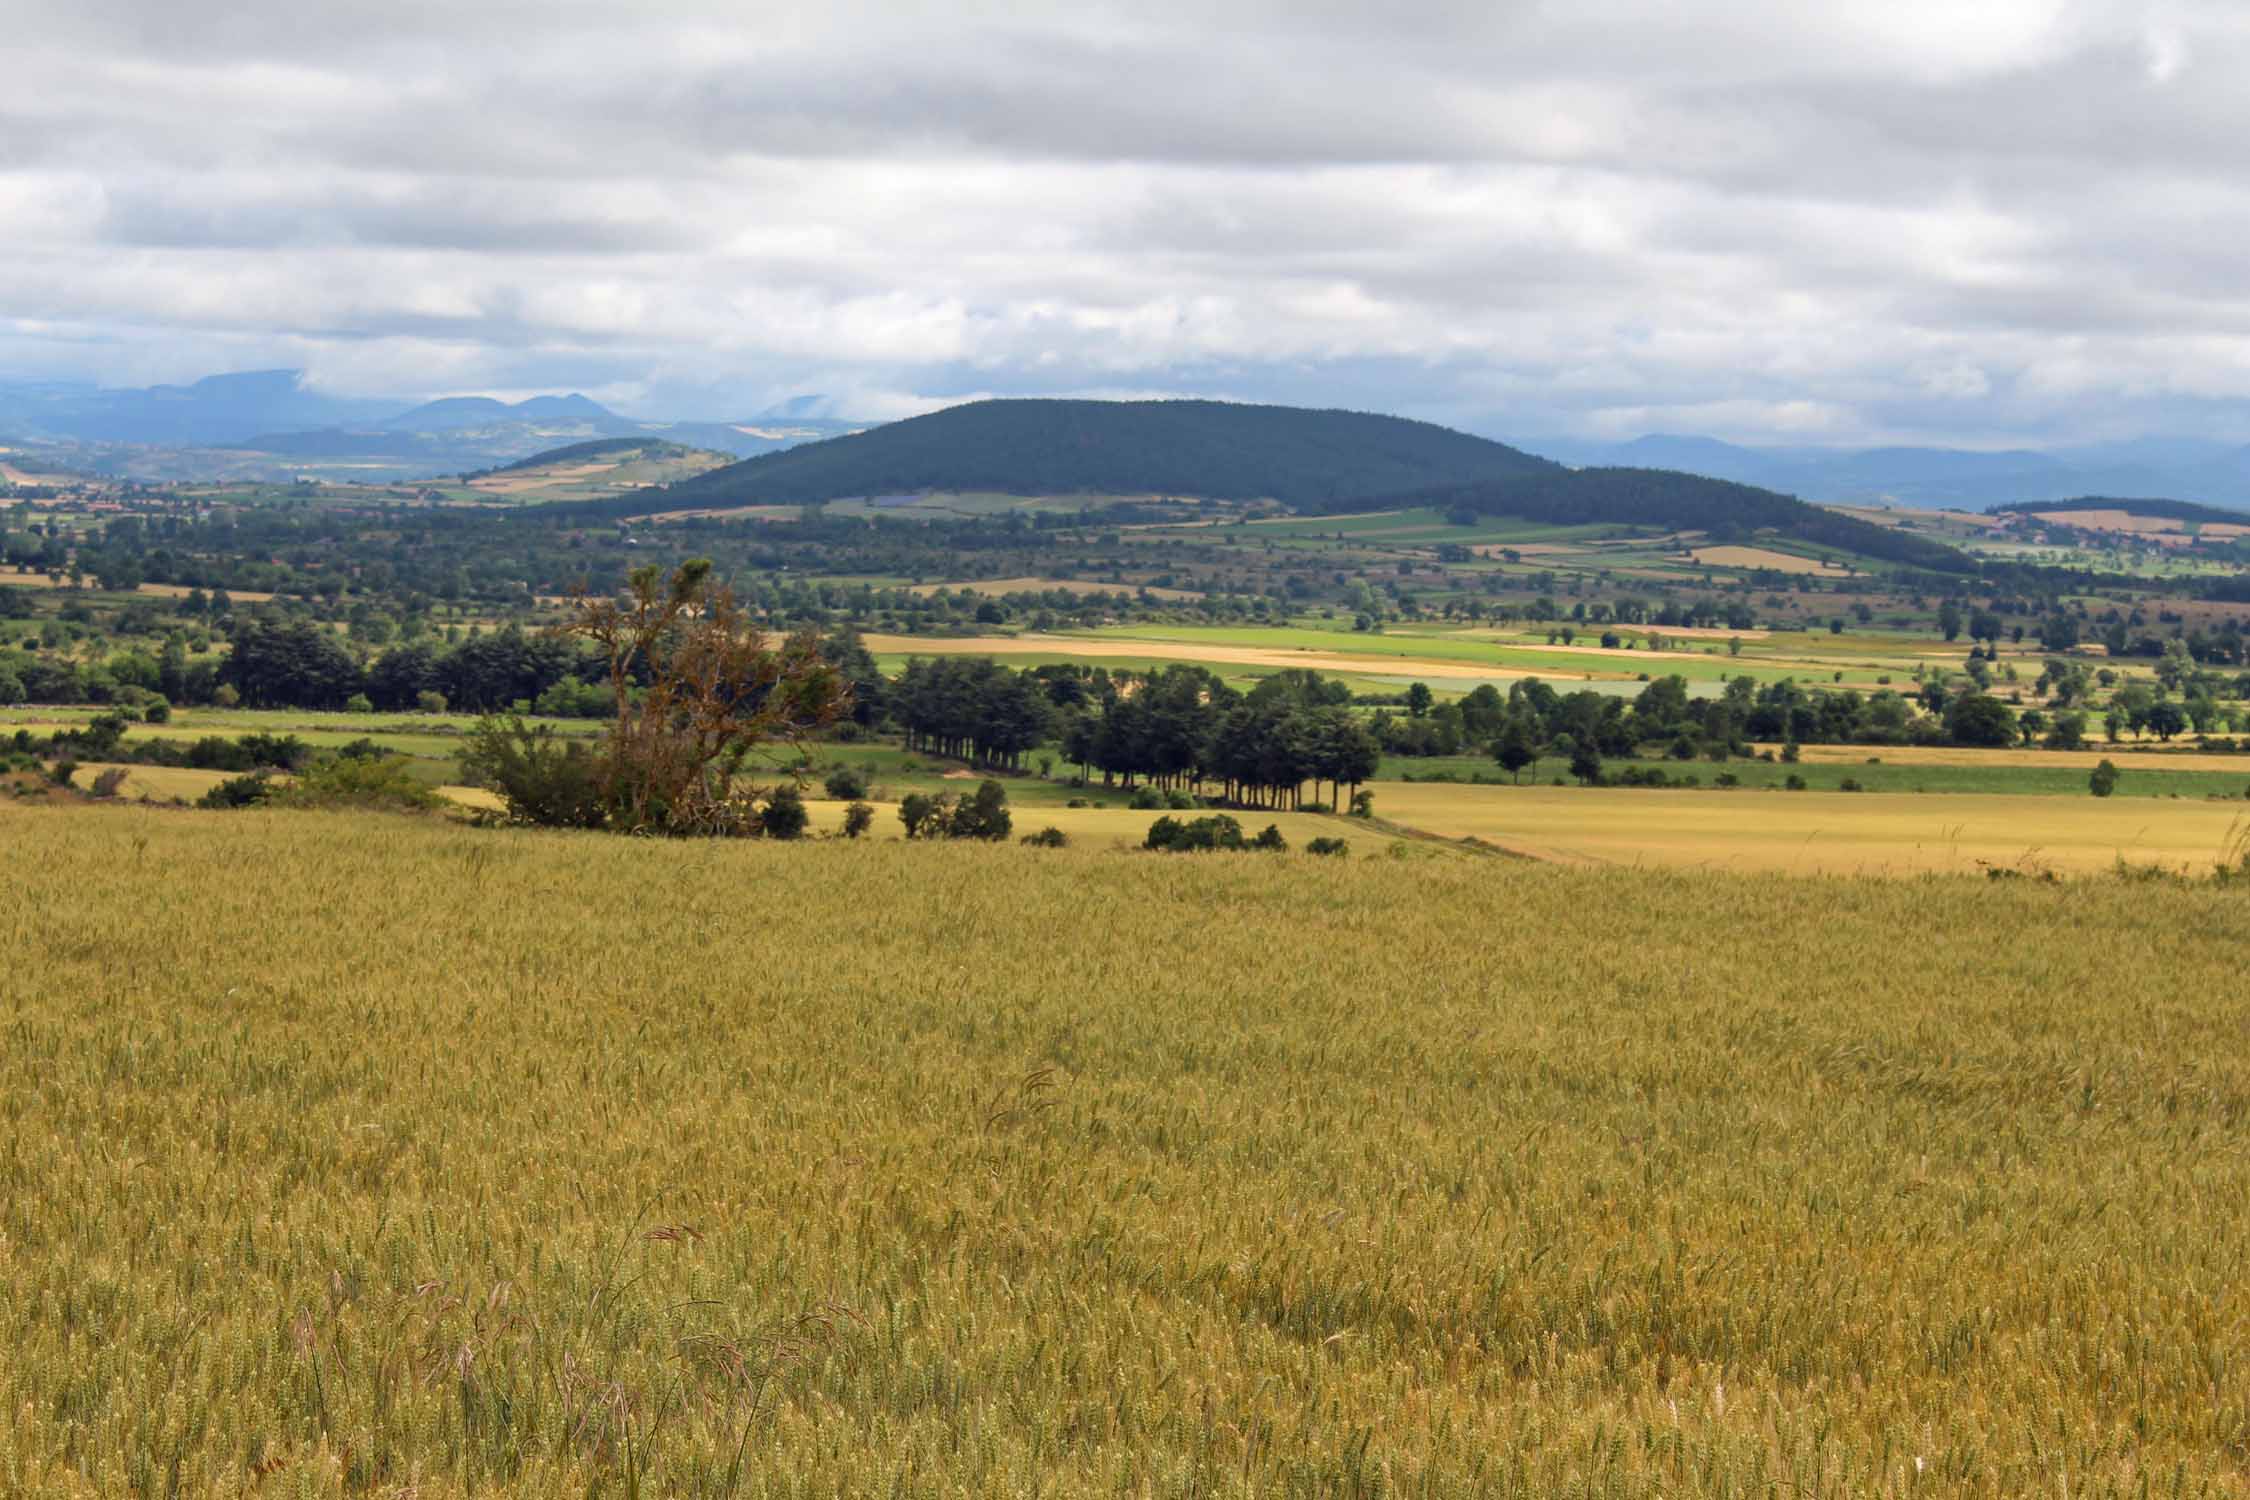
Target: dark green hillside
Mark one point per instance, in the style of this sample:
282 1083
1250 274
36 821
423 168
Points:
1670 501
1209 449
2170 510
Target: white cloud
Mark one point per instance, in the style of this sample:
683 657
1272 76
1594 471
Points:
1884 218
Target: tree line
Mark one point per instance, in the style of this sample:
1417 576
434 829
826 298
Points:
1181 727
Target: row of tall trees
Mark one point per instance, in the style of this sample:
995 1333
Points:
1182 727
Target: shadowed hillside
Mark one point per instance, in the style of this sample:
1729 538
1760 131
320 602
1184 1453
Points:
1211 449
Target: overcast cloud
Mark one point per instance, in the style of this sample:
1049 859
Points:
1970 221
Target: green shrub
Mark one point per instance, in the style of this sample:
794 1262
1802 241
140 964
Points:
983 814
1215 832
1270 839
846 783
385 783
923 814
784 815
1327 846
239 791
858 818
1795 783
1047 838
544 780
1146 799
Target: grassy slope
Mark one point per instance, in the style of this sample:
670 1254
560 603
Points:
409 1157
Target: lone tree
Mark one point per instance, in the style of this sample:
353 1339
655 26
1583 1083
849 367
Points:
712 688
697 686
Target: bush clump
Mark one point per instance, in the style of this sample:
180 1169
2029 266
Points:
981 815
1217 831
238 791
784 815
385 783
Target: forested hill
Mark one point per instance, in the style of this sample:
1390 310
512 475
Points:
2169 510
1213 450
599 448
1672 501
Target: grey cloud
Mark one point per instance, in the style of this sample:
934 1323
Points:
1883 218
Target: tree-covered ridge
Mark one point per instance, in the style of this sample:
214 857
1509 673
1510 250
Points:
1209 449
2169 510
596 448
1669 501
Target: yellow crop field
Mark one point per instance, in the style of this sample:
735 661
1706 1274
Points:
1098 648
186 784
1116 826
2161 528
345 1155
1835 832
1764 557
150 590
153 783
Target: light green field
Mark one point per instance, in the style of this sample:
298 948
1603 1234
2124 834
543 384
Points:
349 1155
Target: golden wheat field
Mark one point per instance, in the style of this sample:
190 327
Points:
1849 833
354 1155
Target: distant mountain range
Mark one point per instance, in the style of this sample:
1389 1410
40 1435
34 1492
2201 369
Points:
1940 478
269 425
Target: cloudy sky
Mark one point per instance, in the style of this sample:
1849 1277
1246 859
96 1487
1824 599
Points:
1967 221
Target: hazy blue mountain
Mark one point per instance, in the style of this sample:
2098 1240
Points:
216 410
459 413
268 425
1947 478
757 435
